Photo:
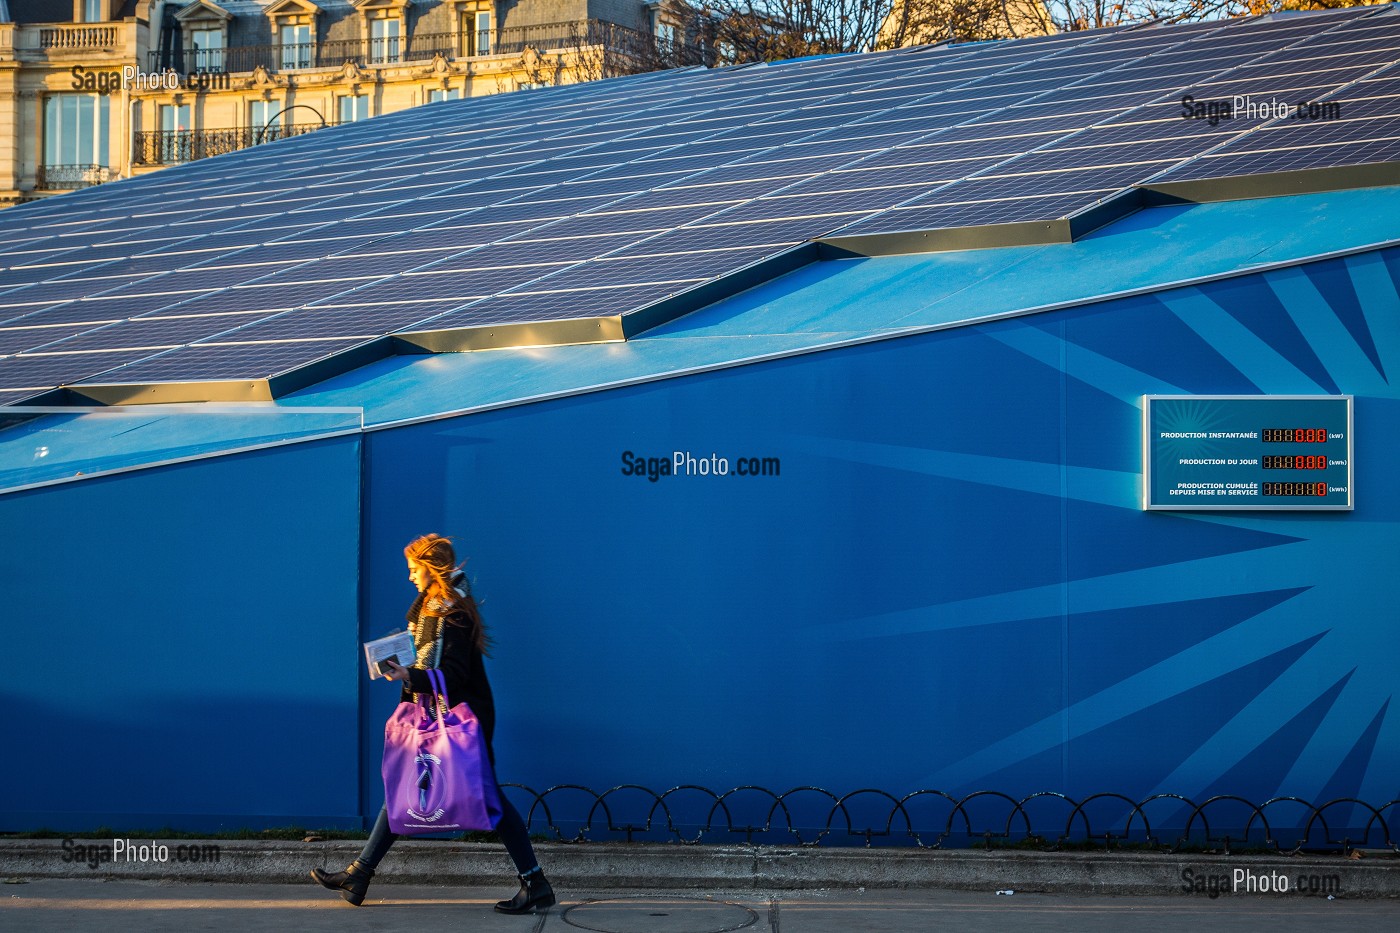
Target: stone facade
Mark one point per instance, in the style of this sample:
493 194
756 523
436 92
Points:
160 82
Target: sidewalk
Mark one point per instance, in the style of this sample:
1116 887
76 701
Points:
649 866
63 885
64 905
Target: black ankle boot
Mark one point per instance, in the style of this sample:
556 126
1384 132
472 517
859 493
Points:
351 883
534 894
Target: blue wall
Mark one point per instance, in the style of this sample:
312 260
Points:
183 645
951 584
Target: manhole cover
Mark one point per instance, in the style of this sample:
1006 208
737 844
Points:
659 915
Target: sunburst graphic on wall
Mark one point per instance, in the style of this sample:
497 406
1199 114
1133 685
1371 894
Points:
1199 416
1250 623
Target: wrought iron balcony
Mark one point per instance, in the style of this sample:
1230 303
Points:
634 45
168 147
297 56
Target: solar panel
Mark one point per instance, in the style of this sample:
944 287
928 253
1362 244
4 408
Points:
95 311
1385 149
219 362
346 321
13 278
779 206
452 285
1064 156
1369 108
508 253
622 272
43 371
191 280
1030 207
50 292
634 221
275 297
600 199
32 256
18 339
552 306
146 333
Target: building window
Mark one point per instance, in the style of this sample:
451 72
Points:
384 41
93 11
265 119
440 94
664 29
352 108
176 138
208 50
174 118
483 33
75 134
297 49
476 32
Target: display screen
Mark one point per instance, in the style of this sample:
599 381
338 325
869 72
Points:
1247 452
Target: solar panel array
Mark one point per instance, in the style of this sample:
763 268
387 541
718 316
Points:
600 199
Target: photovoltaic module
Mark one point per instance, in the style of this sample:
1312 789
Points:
592 211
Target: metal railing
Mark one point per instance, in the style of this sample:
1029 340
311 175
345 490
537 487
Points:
600 35
542 36
168 147
424 47
297 56
70 177
931 819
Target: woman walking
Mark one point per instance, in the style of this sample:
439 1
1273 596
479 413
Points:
449 636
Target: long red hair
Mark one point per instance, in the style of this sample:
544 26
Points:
434 553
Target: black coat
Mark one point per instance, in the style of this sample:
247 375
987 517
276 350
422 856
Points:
462 668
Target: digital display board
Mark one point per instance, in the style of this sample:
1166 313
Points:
1246 452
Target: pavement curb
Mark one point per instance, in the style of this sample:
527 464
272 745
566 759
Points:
659 866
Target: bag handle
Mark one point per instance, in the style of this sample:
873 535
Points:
439 685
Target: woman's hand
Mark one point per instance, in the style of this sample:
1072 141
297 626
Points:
396 672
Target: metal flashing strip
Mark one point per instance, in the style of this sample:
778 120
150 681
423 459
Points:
609 328
1272 184
604 329
947 239
1066 229
1147 194
171 393
234 390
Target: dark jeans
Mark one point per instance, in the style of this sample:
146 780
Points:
511 829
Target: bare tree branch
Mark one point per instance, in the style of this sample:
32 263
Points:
735 31
725 32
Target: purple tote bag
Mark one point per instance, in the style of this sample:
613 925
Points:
437 776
